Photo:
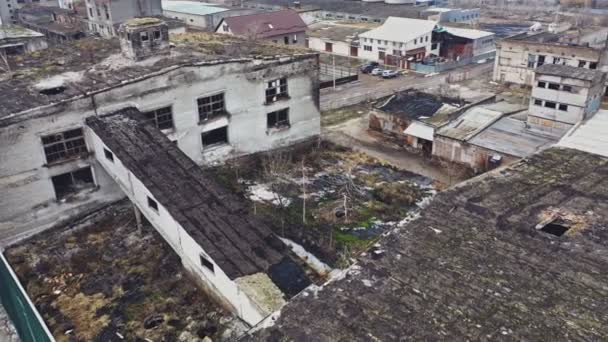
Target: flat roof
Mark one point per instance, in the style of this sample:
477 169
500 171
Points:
570 72
15 31
192 7
396 29
590 136
475 267
510 136
467 33
83 71
218 220
335 32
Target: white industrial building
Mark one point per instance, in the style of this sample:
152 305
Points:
201 15
403 39
563 96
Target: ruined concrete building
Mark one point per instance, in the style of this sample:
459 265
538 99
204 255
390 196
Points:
213 96
518 56
104 16
8 8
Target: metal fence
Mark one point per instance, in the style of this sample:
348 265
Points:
453 65
341 74
20 309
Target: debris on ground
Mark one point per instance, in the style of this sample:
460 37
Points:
101 280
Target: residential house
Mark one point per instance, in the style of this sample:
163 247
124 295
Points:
282 27
399 41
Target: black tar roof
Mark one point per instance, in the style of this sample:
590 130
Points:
570 72
473 267
215 218
413 104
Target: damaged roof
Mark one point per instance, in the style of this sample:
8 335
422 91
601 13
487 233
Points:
474 266
218 220
570 72
417 105
93 65
590 136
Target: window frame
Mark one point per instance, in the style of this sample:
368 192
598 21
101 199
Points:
538 102
211 113
278 123
78 151
222 143
280 86
562 107
71 173
154 114
550 104
152 204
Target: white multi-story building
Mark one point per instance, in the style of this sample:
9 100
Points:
398 41
563 96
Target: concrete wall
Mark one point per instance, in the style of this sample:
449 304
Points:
461 152
511 64
178 238
338 48
25 179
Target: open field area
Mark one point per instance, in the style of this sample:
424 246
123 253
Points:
332 200
102 280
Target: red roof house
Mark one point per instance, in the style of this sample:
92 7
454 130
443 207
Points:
285 26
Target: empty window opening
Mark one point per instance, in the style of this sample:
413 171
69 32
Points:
207 263
109 155
550 104
538 102
567 88
144 36
211 106
556 227
152 204
278 119
162 117
541 84
216 136
554 86
276 89
286 40
563 107
72 182
156 35
65 145
593 65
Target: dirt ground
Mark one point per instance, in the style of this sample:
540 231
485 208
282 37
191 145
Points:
334 201
101 280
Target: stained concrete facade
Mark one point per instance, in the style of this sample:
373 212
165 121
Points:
29 200
104 15
8 8
518 57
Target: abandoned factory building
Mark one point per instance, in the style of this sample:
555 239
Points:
518 253
213 96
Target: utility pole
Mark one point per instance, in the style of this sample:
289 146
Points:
333 71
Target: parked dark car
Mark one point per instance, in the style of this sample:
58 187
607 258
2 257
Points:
367 68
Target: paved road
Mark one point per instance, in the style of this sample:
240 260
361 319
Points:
371 87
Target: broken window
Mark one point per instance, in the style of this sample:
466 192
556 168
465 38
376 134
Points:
540 61
156 34
216 136
582 64
276 90
207 263
567 88
550 104
152 204
531 60
538 102
144 36
593 65
109 155
553 86
541 84
162 117
65 145
211 106
72 182
563 107
286 40
278 119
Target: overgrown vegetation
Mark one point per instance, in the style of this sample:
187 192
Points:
334 201
104 280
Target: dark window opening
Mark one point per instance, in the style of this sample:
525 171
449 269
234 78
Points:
162 117
65 145
563 107
156 35
206 263
329 47
144 36
286 40
538 102
109 155
540 61
278 119
581 64
276 89
554 86
541 84
52 91
215 137
556 227
211 106
567 88
550 104
593 65
72 182
152 204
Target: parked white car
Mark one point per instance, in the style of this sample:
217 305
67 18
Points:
390 73
377 72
